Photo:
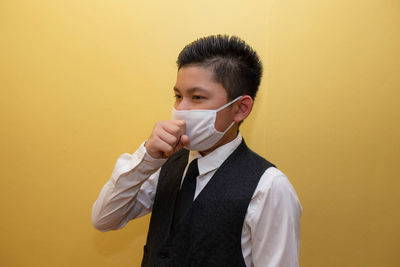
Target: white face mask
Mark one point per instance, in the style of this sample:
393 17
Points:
200 126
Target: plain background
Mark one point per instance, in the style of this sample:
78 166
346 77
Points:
82 82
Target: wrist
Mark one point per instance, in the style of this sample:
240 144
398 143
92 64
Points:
151 154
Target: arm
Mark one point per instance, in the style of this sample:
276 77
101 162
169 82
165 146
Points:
130 191
274 222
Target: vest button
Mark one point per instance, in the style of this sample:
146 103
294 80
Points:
163 255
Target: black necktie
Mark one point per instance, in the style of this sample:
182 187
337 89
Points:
186 194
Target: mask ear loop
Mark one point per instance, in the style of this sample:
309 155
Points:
224 106
227 129
228 104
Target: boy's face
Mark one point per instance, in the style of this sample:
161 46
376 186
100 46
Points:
196 89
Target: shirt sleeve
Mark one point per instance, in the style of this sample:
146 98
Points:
130 191
273 223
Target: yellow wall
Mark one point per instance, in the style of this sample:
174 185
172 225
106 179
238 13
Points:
82 82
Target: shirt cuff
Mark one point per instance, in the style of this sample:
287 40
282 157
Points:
148 160
141 161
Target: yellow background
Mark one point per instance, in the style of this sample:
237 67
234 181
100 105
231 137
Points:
84 81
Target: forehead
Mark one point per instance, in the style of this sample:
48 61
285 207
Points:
196 78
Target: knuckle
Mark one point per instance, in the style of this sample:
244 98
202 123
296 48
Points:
174 139
175 130
159 124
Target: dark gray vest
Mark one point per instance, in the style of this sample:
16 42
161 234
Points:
210 233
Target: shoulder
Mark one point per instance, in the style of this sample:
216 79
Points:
252 158
275 190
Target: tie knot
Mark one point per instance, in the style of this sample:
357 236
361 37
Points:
193 169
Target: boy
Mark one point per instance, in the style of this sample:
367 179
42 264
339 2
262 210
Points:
214 202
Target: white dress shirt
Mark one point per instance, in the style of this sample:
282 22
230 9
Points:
271 229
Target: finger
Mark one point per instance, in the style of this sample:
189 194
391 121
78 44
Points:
168 138
166 149
184 140
175 127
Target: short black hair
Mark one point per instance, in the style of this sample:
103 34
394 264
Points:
234 63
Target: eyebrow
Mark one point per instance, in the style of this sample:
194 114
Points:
193 89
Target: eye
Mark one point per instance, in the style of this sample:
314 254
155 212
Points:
178 97
197 97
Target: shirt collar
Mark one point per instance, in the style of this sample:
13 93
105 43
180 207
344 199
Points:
214 160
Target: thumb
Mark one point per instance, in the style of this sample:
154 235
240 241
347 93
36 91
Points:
184 140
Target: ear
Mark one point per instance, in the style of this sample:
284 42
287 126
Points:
243 108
